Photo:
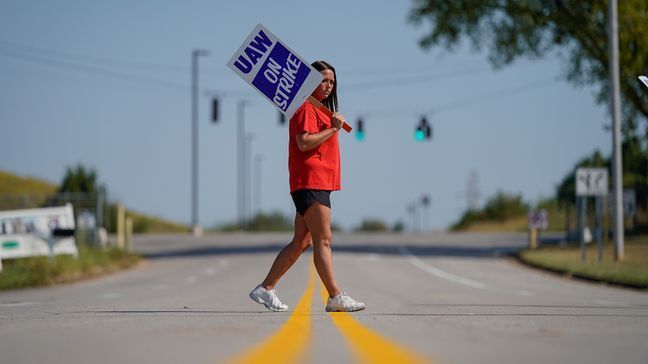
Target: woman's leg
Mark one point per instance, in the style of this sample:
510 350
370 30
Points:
318 222
289 254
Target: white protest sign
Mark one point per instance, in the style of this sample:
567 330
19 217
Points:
644 79
275 70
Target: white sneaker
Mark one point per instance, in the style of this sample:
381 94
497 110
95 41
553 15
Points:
343 303
268 299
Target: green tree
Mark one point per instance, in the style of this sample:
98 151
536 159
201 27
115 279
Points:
398 227
79 179
500 207
372 225
274 221
504 206
577 29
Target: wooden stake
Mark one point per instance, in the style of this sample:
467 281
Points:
326 111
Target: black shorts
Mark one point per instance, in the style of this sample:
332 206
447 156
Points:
304 199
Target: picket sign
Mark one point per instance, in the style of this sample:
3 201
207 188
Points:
277 72
644 79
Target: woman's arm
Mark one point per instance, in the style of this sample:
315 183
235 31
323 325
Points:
308 141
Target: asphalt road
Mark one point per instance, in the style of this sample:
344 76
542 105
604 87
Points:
441 298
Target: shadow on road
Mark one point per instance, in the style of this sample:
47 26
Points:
475 310
382 249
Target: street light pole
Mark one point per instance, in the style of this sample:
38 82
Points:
617 168
195 227
241 163
247 178
249 212
257 178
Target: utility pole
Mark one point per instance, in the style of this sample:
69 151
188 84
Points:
195 226
248 213
411 210
617 168
258 159
472 192
241 163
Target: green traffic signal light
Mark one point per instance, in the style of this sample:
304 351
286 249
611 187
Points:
360 134
419 135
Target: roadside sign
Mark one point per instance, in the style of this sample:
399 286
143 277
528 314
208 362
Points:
539 219
629 203
591 182
32 232
275 70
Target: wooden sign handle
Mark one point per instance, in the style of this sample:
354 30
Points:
328 112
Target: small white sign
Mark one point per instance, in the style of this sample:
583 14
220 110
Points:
539 219
275 70
591 182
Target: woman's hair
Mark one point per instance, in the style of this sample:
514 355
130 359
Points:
331 102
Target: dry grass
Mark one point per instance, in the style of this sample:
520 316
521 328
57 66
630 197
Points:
632 271
40 271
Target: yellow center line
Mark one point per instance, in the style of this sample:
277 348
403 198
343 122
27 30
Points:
369 346
289 343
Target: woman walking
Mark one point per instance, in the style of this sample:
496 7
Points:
314 166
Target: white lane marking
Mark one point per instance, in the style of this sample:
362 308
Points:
210 271
372 257
522 292
438 272
606 302
191 279
17 304
110 295
161 287
224 262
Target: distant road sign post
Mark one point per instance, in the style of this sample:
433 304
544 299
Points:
538 220
591 182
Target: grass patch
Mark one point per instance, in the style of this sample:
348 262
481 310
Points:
40 271
633 271
515 224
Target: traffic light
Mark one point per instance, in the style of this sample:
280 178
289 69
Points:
428 132
360 134
419 134
282 118
215 109
423 130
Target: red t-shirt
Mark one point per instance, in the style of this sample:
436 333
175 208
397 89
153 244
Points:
318 168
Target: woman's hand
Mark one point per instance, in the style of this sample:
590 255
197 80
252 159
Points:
306 141
337 121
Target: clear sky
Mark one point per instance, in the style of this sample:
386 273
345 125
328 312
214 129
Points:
107 84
